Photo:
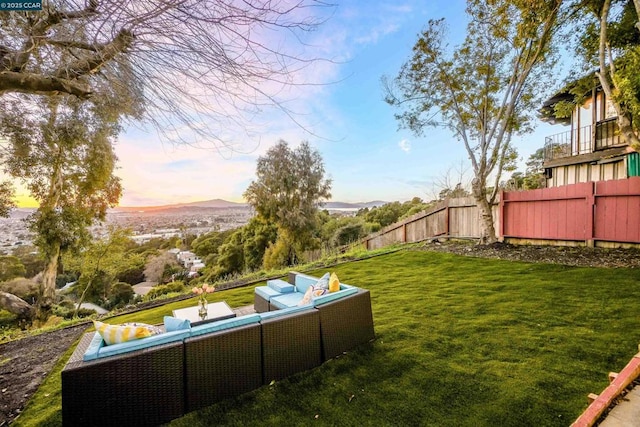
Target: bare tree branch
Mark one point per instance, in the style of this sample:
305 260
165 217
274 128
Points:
198 67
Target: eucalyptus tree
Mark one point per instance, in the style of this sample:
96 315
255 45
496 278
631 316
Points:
63 154
288 191
485 91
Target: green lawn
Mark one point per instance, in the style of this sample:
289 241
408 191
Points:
460 342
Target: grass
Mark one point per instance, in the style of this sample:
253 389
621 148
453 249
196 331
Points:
460 342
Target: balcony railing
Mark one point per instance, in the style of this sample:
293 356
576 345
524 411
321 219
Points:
608 134
574 143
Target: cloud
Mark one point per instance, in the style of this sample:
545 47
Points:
378 32
405 145
153 173
380 21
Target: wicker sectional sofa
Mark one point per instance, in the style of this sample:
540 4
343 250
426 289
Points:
210 362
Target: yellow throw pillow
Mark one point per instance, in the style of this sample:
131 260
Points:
334 283
115 334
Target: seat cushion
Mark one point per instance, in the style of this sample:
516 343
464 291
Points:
345 290
221 325
266 292
281 286
287 300
97 349
283 312
303 281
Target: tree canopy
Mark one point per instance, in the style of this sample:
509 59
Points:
289 188
196 65
62 151
610 43
486 90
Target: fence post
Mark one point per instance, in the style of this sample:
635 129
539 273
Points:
591 209
501 216
446 217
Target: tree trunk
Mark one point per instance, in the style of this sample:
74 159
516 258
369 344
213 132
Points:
627 132
489 231
486 214
48 286
16 305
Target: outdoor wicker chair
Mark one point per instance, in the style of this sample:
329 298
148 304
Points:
345 323
290 344
221 365
141 388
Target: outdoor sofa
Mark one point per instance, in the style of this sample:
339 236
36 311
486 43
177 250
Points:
154 380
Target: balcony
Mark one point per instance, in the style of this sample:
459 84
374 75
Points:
575 143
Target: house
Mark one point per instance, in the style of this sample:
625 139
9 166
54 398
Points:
186 258
592 149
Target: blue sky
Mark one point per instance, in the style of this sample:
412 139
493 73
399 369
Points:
346 120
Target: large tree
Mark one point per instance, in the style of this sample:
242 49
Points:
610 42
289 188
63 153
485 91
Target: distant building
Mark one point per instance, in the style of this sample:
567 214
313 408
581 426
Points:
186 258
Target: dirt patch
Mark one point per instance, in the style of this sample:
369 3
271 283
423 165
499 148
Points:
25 363
574 256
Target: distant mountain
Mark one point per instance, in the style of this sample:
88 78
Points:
223 204
215 203
205 204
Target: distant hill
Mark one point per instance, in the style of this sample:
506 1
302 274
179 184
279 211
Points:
205 204
223 204
357 205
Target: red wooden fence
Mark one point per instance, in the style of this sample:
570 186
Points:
604 211
617 210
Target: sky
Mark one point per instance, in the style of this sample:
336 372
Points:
343 116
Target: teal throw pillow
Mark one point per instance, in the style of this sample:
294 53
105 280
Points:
174 324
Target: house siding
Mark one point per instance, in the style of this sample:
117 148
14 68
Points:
585 172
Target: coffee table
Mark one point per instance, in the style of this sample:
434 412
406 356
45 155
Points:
215 311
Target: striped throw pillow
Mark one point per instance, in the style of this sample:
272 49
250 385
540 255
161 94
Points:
115 334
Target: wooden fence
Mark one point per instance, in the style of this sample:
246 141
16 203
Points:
604 213
459 218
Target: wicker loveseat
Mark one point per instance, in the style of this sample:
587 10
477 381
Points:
153 385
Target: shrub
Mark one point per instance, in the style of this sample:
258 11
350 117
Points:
121 294
68 312
277 254
26 289
177 286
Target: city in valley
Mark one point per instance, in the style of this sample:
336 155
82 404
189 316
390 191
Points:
145 224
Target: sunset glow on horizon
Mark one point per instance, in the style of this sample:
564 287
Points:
26 201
